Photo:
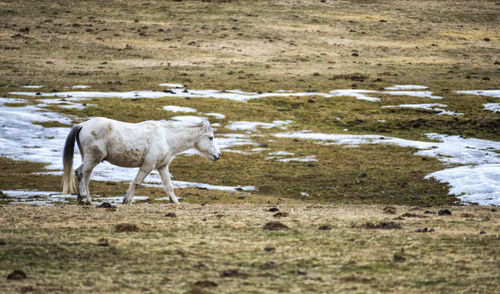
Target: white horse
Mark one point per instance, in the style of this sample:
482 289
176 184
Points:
148 145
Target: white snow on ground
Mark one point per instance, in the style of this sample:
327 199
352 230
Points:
171 85
32 87
189 119
406 87
358 94
280 153
36 197
493 107
252 125
299 159
429 106
236 95
64 103
420 94
489 93
477 184
80 87
182 185
12 100
216 115
174 108
479 155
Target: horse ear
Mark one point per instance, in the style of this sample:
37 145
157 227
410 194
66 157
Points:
205 124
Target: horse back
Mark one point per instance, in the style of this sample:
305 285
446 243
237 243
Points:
122 143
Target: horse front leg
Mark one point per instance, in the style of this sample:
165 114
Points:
167 184
141 175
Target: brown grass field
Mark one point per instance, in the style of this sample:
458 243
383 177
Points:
217 244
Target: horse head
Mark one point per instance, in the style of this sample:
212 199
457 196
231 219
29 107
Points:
205 143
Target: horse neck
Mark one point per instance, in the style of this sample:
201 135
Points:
181 138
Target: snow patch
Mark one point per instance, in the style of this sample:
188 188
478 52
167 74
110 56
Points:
32 87
493 107
189 119
252 125
406 87
420 94
472 184
80 87
488 93
173 108
172 85
358 94
216 115
430 106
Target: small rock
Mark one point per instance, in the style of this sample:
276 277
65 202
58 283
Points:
105 205
281 214
398 257
425 230
482 232
389 210
497 63
486 78
171 214
355 54
103 242
269 249
429 212
17 275
232 273
325 227
444 212
486 39
273 209
275 226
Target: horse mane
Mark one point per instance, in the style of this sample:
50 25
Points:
183 123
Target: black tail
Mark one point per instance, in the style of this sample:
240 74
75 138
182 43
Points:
68 181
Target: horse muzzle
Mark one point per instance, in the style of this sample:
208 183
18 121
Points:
216 157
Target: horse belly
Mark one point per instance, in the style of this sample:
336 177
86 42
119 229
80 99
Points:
126 156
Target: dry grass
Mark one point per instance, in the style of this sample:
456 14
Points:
77 249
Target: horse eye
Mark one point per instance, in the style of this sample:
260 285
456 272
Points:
211 138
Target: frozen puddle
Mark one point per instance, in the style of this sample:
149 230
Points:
478 181
177 90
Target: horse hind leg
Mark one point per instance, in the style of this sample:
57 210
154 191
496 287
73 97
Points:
79 177
92 158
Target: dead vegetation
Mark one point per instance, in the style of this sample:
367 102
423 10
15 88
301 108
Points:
73 248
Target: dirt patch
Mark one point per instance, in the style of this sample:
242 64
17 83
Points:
382 225
206 284
124 228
